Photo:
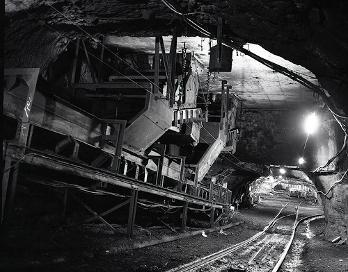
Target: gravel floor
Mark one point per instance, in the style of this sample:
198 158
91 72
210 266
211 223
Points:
92 250
311 253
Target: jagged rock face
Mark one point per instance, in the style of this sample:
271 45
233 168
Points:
324 146
270 136
307 32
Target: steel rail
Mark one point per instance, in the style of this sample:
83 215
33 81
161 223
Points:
288 246
220 254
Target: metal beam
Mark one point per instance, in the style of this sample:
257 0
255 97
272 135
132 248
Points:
132 212
89 62
93 212
172 65
118 206
109 177
156 66
184 216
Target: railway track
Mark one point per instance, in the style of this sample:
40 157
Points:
262 252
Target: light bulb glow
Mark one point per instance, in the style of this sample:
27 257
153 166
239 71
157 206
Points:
311 123
282 171
301 160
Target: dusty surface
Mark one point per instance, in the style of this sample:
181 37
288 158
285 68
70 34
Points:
311 252
93 248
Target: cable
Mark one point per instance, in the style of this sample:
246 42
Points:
187 20
96 57
322 92
333 185
344 146
108 65
193 24
16 163
103 45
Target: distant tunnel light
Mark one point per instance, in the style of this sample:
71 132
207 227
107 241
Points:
311 123
282 171
301 161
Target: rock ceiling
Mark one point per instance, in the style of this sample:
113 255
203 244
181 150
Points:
256 85
309 33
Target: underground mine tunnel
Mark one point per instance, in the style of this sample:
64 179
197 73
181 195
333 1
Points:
174 135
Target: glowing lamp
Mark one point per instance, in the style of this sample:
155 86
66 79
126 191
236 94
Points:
301 160
282 171
311 123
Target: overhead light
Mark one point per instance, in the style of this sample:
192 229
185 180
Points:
282 171
301 160
311 123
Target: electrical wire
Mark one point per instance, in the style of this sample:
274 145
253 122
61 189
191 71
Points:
293 75
108 65
321 91
96 57
193 24
61 184
333 186
103 45
16 163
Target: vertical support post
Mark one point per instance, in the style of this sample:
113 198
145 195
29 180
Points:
211 191
136 172
75 152
156 66
219 39
182 173
125 168
159 178
100 75
227 99
132 212
9 176
184 216
23 129
172 73
212 216
76 56
146 173
13 186
4 187
30 136
166 68
223 103
196 180
115 134
89 62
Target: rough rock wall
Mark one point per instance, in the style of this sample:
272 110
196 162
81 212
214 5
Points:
324 146
28 43
270 136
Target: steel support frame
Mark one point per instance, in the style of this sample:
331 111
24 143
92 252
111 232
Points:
172 69
184 216
132 212
9 176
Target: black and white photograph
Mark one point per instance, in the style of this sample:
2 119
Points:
174 136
